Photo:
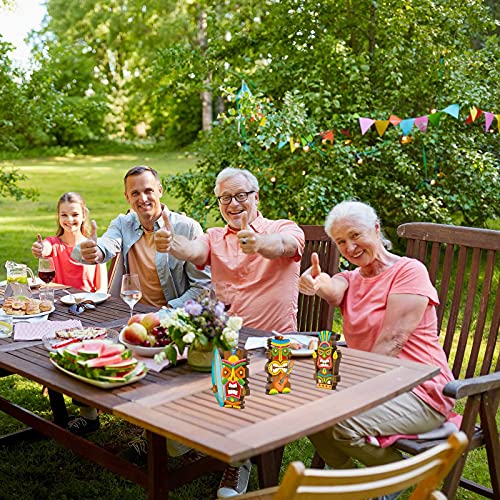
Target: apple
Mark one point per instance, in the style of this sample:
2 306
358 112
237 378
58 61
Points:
150 320
135 334
136 318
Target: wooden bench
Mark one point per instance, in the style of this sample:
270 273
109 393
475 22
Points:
463 265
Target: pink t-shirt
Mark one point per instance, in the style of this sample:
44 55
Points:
363 309
72 273
264 292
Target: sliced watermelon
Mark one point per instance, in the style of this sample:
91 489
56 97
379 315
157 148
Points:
123 366
100 362
113 350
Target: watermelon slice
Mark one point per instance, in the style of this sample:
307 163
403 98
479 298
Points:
100 362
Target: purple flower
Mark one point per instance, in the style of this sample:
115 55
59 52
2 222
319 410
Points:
219 309
193 308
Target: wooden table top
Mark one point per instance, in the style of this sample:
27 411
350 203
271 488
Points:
179 403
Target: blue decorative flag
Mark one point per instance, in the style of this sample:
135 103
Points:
407 125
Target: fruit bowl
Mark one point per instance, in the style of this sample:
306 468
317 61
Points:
140 350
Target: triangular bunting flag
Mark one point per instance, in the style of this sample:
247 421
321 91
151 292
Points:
262 121
435 117
475 113
488 120
452 110
365 124
421 123
292 145
381 126
327 136
498 122
282 142
407 125
243 90
303 140
395 120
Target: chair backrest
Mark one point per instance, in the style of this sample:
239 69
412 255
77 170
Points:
315 314
463 266
115 274
425 470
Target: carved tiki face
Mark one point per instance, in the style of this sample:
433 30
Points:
279 354
234 372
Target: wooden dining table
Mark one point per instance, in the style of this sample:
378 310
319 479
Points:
178 403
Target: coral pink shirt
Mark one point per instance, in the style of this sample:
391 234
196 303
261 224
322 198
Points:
363 309
72 273
263 292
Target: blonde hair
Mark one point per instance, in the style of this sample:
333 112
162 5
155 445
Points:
74 198
364 214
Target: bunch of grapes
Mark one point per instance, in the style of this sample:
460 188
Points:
158 337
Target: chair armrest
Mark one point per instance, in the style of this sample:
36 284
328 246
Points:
466 387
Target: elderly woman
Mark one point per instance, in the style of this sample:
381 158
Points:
388 305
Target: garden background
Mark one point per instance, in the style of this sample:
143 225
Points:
393 103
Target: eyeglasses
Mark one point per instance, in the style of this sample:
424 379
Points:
239 197
77 309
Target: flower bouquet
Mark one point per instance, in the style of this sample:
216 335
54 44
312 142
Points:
201 325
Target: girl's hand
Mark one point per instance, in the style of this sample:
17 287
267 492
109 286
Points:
37 248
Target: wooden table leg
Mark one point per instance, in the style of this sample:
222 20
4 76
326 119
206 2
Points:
58 406
269 465
157 467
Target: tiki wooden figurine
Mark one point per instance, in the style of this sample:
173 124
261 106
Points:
279 365
230 378
327 361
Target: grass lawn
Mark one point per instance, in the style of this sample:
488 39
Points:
99 179
44 469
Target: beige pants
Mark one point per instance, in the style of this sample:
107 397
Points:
405 414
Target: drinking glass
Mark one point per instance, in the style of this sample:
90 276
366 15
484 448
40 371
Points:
46 270
131 290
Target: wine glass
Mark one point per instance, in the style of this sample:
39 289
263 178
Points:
46 270
131 290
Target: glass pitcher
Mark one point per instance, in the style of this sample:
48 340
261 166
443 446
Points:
17 279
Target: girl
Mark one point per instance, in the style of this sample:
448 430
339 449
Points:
73 217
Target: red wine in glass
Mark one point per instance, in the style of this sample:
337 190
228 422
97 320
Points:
46 269
46 276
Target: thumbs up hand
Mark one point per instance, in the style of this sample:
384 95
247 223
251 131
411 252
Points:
89 249
164 236
37 248
312 278
248 239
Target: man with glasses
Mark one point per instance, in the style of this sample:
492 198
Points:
255 265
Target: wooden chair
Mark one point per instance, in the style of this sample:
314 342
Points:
426 470
314 313
463 264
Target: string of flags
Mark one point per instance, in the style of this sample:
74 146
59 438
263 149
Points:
407 125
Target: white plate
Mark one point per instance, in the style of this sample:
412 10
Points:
301 339
97 297
99 383
28 316
147 352
49 339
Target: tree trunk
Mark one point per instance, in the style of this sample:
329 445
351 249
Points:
206 94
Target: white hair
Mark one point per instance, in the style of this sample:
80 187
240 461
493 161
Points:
229 172
364 215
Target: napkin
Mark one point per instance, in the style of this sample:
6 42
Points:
158 367
36 331
256 342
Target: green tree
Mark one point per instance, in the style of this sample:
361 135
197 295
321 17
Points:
328 65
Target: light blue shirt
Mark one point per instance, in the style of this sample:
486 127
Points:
180 280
